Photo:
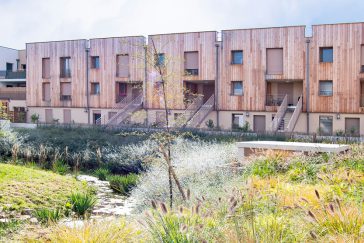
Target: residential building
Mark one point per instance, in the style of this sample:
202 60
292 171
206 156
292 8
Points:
269 79
12 83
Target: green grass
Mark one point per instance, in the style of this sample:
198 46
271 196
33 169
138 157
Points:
82 203
22 187
47 216
9 227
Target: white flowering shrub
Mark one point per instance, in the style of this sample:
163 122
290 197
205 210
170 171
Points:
202 167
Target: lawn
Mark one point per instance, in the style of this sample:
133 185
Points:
22 187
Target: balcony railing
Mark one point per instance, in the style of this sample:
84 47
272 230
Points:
191 72
275 100
15 93
12 75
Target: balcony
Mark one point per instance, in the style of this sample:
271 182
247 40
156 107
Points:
12 75
274 100
16 93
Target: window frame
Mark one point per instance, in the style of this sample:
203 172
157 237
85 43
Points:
232 92
64 72
157 59
321 92
95 62
93 84
237 126
232 62
321 54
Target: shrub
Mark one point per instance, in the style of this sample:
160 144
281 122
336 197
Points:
60 167
8 227
210 124
82 203
97 231
102 173
123 184
47 216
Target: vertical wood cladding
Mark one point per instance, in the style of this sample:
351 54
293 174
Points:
254 44
344 71
174 47
107 49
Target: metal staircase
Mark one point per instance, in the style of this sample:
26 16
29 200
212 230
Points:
287 116
202 113
125 110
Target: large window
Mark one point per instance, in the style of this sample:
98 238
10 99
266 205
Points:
95 88
236 57
122 65
325 125
95 62
326 54
66 91
46 91
275 61
352 126
191 63
65 67
236 88
325 88
46 71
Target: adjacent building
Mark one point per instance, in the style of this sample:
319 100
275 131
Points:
264 79
12 83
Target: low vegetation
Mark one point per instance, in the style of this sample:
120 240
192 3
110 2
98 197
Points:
123 184
82 203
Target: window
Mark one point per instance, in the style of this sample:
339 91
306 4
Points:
236 57
46 72
325 88
122 65
66 91
237 120
65 63
95 62
96 117
95 88
275 61
236 88
326 54
325 125
352 126
46 91
23 66
159 59
362 59
9 67
191 63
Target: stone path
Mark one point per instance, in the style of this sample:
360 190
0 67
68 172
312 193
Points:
108 202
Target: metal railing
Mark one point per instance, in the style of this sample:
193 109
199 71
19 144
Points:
275 99
119 105
201 114
13 93
12 75
295 115
279 115
191 109
126 111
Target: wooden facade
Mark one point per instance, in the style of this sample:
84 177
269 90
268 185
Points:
345 70
253 71
174 47
106 49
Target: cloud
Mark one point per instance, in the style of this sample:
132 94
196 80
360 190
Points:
44 20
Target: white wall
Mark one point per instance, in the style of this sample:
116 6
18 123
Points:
8 55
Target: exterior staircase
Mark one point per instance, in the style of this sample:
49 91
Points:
126 111
201 113
191 110
287 116
123 110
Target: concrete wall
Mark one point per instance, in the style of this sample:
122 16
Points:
8 55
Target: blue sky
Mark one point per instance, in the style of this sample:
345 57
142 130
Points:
25 21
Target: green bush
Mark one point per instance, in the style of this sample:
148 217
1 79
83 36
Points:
60 167
47 216
8 227
102 174
123 184
82 203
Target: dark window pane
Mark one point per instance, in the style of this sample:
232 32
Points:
237 57
237 88
326 54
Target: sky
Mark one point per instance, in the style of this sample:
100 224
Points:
24 21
